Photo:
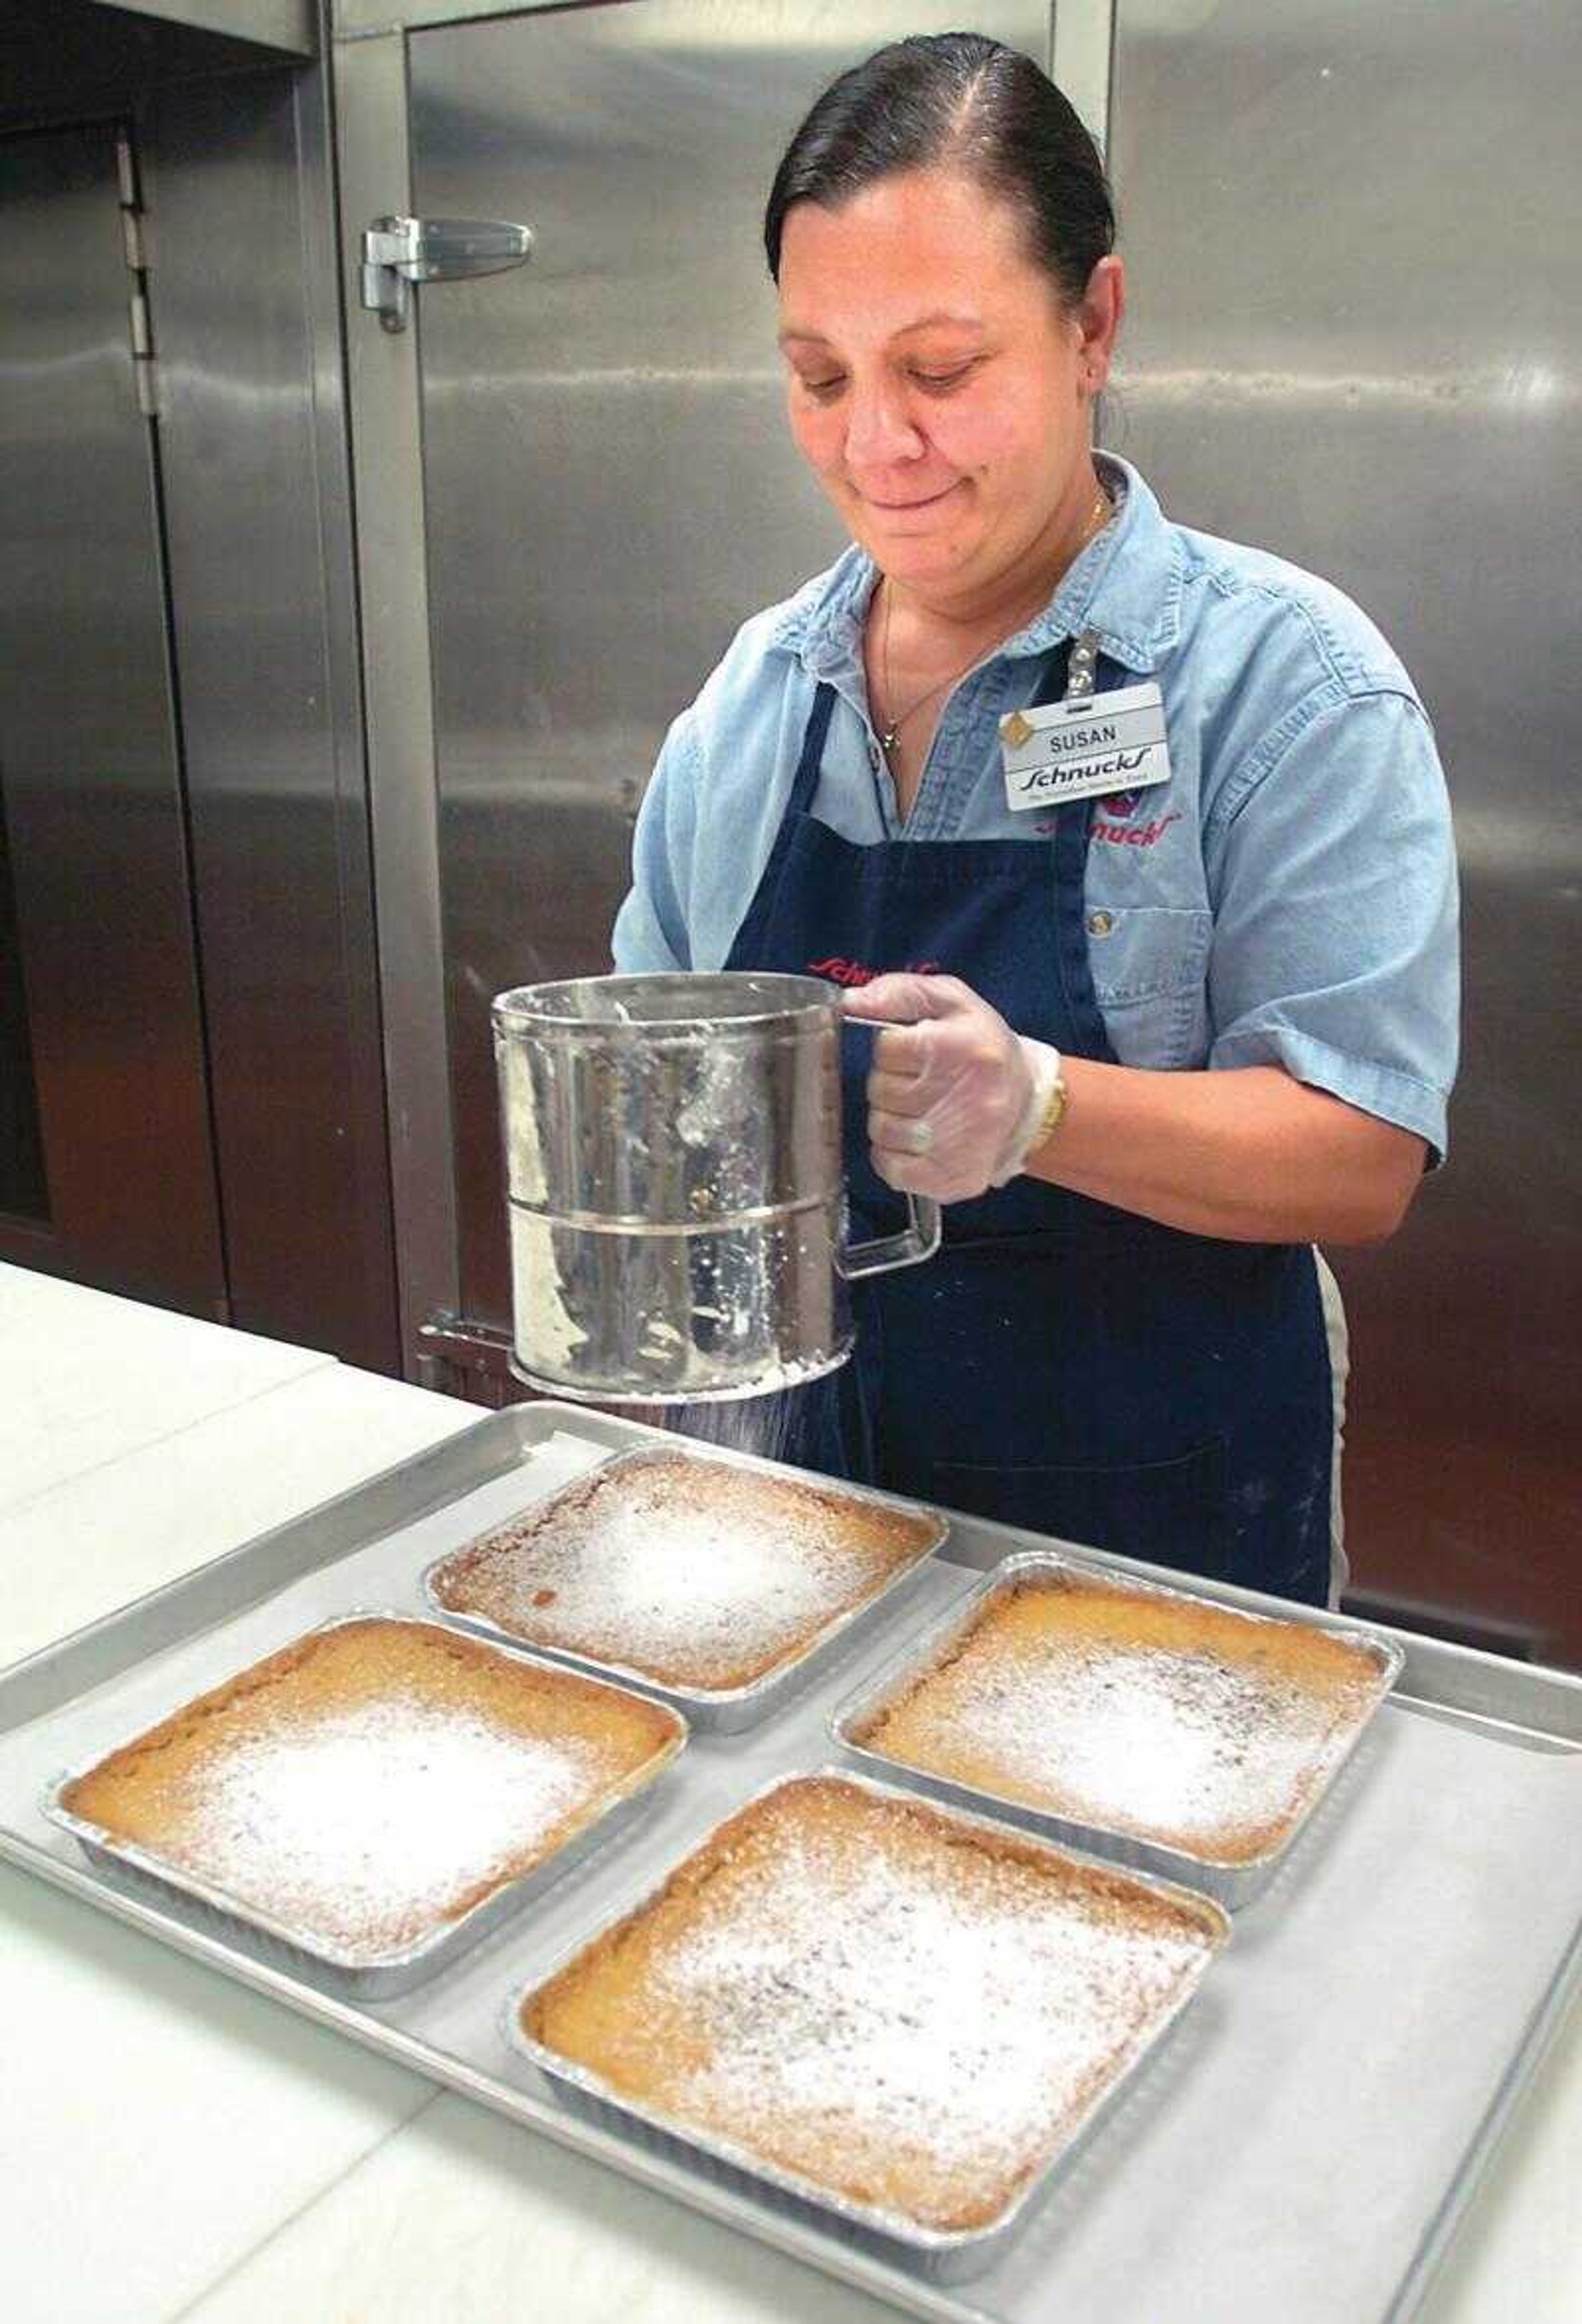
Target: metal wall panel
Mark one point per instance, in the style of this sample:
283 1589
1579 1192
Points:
609 486
88 742
244 280
1355 338
73 59
23 1191
289 26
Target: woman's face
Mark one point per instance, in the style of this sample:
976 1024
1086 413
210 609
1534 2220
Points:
938 389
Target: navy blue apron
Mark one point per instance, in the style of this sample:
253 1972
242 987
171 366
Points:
1060 1364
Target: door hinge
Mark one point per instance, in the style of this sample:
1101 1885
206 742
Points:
134 245
459 1356
125 170
398 252
467 1344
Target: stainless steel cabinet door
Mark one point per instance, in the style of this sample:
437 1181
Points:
609 489
88 757
1353 339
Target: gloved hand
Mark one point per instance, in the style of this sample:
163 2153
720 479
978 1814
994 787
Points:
955 1099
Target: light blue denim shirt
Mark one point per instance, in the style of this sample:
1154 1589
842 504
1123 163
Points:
1288 897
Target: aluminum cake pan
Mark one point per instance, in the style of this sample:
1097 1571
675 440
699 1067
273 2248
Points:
936 2255
719 1711
366 1976
1231 1882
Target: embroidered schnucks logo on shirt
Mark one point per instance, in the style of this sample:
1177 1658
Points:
1121 833
1112 821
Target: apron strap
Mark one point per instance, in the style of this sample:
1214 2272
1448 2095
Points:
1073 824
805 782
1069 674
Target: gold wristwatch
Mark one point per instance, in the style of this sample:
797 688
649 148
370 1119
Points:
1054 1109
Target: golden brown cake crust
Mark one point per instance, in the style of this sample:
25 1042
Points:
1166 1718
374 1780
693 1572
907 2012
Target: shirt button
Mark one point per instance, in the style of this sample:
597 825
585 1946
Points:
873 756
1100 923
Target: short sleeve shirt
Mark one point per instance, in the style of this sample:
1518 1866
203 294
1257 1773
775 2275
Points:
1288 897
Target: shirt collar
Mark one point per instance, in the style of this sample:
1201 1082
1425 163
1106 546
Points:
1126 586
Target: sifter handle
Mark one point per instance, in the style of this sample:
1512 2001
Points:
918 1241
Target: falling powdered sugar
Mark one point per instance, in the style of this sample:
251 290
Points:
692 1571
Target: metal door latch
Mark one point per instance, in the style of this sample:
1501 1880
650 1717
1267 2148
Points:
398 252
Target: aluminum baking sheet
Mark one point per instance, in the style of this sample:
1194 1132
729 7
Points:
369 1977
1351 2058
938 2255
1232 1883
726 1710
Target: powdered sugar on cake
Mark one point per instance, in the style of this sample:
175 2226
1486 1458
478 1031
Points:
363 1826
944 2011
1176 1744
370 1782
674 1584
1194 1744
690 1572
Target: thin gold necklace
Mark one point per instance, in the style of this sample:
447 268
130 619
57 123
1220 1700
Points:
1098 516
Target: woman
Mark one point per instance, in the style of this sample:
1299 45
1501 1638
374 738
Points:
1174 1012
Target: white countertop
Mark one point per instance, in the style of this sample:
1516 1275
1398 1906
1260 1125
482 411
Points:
173 2146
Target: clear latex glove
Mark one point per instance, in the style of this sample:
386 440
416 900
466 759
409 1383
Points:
955 1099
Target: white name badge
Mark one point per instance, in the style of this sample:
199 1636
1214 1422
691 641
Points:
1085 749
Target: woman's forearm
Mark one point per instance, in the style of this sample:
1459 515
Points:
1249 1154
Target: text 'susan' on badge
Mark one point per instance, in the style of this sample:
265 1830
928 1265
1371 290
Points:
1085 747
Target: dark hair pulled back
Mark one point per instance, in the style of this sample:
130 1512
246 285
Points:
962 100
